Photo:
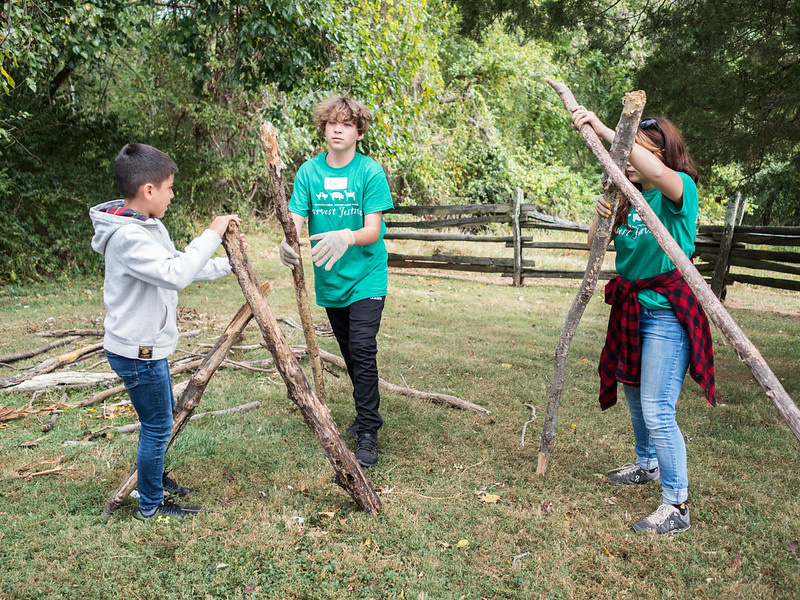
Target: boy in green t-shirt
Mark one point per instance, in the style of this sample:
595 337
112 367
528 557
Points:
344 194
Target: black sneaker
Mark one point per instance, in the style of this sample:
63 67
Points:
166 510
353 429
367 449
174 488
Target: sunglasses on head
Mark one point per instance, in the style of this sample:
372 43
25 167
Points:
648 123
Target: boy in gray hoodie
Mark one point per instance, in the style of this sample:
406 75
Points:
143 271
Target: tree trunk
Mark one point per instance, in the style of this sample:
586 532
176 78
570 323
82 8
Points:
194 391
745 349
316 414
632 107
269 140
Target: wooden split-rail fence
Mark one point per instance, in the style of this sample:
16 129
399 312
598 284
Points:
718 247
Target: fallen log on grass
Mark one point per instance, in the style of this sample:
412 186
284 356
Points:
51 364
348 473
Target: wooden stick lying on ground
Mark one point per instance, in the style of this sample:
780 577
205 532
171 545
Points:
349 474
62 332
269 140
453 401
51 364
632 107
745 349
10 358
194 391
130 428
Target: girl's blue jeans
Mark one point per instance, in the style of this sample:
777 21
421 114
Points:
150 389
659 441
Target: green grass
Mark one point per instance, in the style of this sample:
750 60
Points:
278 527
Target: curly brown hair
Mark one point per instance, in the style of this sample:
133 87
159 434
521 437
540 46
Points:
342 109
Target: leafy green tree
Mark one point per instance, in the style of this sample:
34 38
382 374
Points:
728 72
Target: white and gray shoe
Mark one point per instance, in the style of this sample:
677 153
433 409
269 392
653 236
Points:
630 474
665 519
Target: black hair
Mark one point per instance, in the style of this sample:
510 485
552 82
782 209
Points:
138 164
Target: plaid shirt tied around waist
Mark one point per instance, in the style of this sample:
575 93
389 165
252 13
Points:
621 359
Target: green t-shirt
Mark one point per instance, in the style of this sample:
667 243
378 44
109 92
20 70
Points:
638 254
334 199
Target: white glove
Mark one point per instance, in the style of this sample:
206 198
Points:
288 256
332 245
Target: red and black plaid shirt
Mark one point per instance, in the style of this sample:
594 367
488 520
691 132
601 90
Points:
621 359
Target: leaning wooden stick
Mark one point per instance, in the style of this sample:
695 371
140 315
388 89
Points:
193 392
745 349
316 414
269 140
632 107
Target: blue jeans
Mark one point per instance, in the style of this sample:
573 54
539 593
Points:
150 389
659 441
356 329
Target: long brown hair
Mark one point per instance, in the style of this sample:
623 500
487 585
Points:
662 138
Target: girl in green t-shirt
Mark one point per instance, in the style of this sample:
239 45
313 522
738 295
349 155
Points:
661 168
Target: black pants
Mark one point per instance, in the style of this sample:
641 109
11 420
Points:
356 329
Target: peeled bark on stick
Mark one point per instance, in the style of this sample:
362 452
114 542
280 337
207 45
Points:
453 401
632 107
51 364
349 474
269 140
191 396
745 349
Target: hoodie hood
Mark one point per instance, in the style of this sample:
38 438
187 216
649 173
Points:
106 224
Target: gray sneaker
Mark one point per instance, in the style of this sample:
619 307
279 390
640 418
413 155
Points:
666 519
630 474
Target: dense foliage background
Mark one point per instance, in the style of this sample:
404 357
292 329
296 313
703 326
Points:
462 112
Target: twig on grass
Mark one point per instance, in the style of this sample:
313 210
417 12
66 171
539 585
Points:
130 428
23 472
528 422
519 556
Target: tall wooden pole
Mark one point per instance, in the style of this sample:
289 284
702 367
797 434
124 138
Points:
632 107
269 140
745 349
349 474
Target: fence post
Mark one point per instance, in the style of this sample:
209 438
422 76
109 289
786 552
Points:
722 266
516 208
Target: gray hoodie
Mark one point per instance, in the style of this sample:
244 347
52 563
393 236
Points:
143 272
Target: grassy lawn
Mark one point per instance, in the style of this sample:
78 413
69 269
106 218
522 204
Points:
278 528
